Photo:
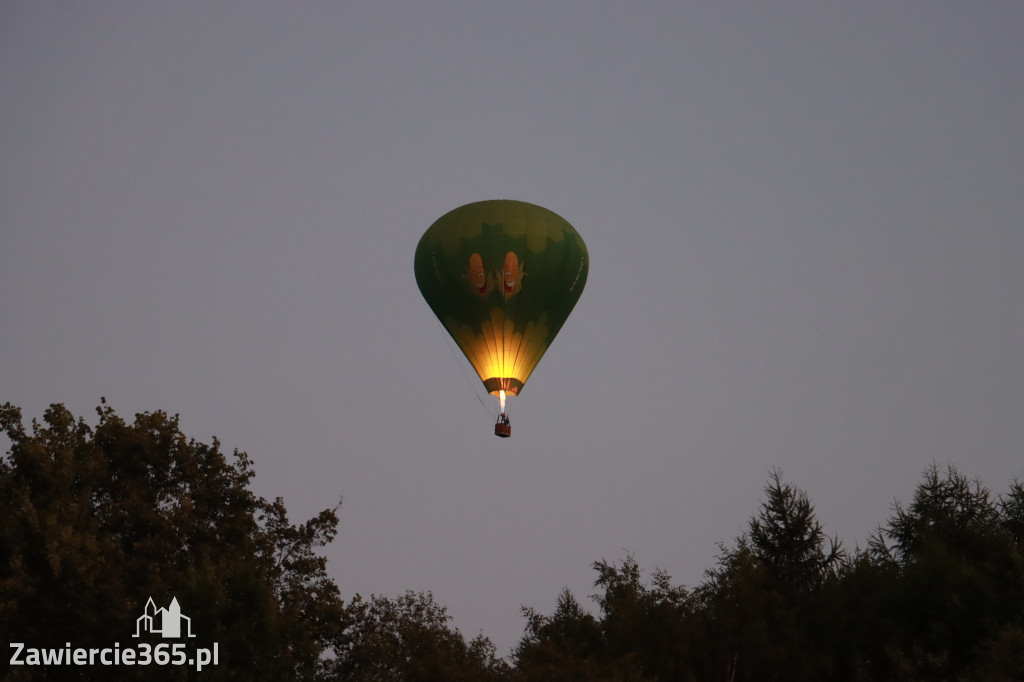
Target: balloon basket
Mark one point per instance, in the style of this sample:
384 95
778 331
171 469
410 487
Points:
502 429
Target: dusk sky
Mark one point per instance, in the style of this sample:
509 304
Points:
806 232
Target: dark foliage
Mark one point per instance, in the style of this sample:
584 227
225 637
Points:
410 639
938 595
96 522
93 522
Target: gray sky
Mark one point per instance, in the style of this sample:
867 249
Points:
805 223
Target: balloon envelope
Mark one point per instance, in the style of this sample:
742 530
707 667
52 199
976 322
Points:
502 276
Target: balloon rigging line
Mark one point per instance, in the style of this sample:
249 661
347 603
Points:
462 369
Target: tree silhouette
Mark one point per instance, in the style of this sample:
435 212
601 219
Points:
409 639
96 522
937 595
790 542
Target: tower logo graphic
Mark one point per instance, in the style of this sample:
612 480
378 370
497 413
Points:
165 622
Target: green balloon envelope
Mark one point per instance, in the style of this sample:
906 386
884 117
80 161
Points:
502 276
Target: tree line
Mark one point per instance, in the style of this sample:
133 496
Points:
93 519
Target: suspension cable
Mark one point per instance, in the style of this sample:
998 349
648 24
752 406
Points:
462 368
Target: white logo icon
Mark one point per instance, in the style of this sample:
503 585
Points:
166 622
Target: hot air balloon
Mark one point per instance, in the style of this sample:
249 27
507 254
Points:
502 276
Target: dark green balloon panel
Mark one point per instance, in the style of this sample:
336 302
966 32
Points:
502 276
